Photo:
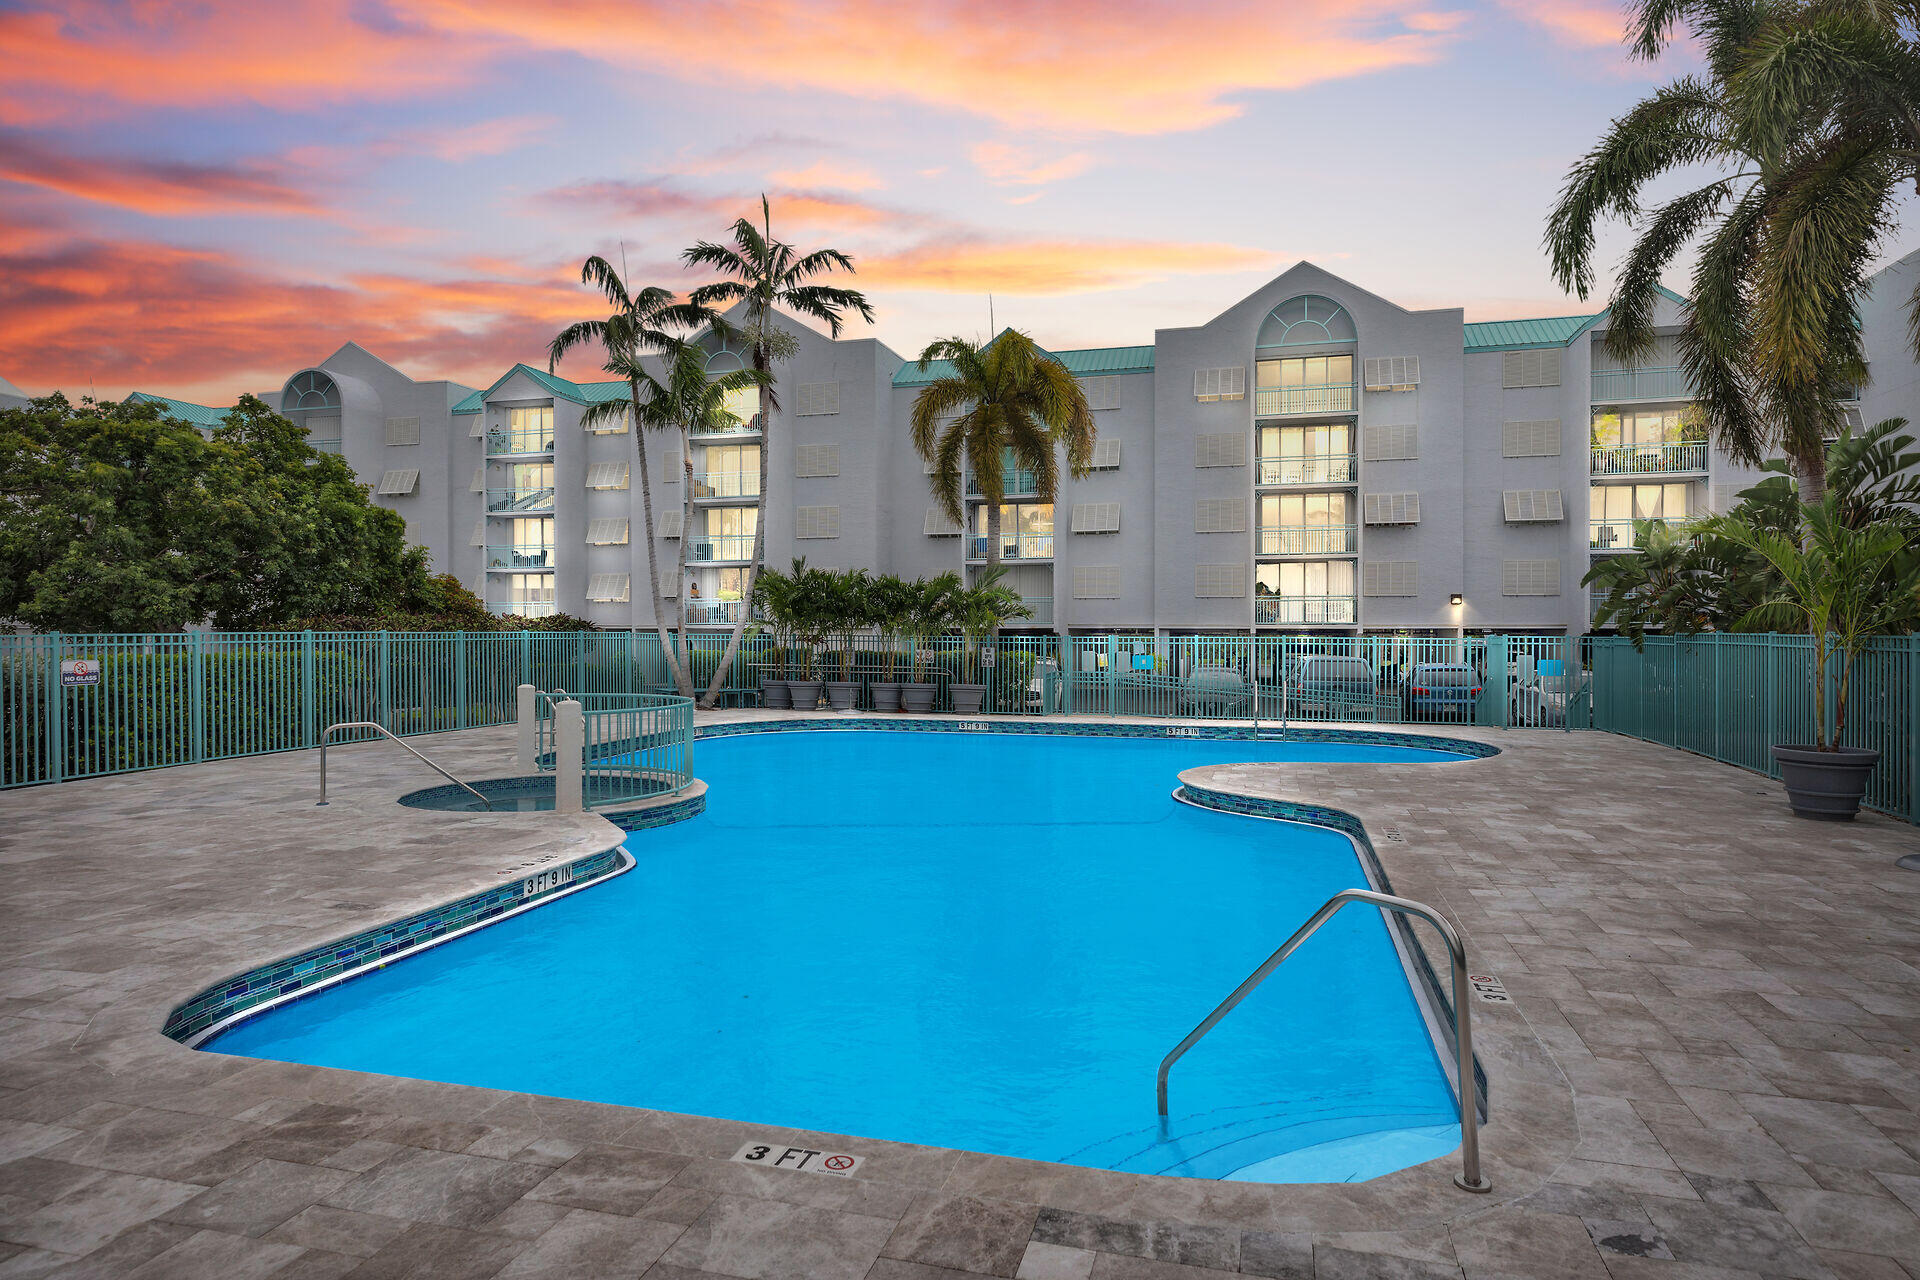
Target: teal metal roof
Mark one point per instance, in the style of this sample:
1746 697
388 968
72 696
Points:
199 415
1518 335
578 392
1088 363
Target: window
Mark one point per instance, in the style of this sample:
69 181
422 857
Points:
1310 578
1624 503
1096 517
1220 384
816 460
525 589
1392 508
607 475
1539 367
609 533
1096 582
1532 506
615 426
319 429
608 588
1101 393
1648 427
732 471
1026 531
1393 373
1305 371
1535 438
1223 450
940 524
1323 440
1219 581
1390 578
816 399
1529 577
1106 455
534 420
816 522
1305 510
399 483
1220 515
1392 442
744 404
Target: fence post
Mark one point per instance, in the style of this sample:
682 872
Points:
525 730
197 693
569 756
56 715
309 691
526 656
1913 729
382 690
460 679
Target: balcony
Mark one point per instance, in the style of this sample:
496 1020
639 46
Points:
1042 608
1014 546
324 446
504 442
1305 611
1612 386
726 484
1326 468
714 613
1019 484
522 608
1649 459
725 547
1305 540
1617 535
520 557
750 429
1329 397
517 500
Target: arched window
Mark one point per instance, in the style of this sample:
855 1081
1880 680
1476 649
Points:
310 390
1306 321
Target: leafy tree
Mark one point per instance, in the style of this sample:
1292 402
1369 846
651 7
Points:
766 274
1007 402
114 517
1808 117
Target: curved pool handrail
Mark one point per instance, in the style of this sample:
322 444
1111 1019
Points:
1469 1178
327 737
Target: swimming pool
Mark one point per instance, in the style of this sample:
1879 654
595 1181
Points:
973 940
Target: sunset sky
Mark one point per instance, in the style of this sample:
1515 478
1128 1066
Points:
198 198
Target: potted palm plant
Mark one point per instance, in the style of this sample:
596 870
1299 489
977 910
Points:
848 607
812 600
979 611
927 613
773 603
892 608
1841 585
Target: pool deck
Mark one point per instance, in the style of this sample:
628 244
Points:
1708 1071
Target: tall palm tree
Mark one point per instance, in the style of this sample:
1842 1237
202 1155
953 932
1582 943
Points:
1807 116
686 401
765 274
1009 401
641 322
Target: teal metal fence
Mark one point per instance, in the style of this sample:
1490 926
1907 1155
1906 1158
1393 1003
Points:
1732 697
637 745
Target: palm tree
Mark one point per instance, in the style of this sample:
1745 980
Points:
766 274
640 323
1009 401
688 402
1808 115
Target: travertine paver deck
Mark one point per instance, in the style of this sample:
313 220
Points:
1709 1071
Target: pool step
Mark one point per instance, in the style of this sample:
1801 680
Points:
1220 1143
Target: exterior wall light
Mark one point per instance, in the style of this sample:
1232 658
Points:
1456 598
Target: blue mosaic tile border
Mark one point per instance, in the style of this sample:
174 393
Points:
1086 729
660 815
317 965
1345 823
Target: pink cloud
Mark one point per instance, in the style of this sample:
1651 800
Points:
1005 164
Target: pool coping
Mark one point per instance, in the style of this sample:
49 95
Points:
1418 1194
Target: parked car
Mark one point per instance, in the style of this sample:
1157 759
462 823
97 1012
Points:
1542 694
1336 686
1446 690
1215 691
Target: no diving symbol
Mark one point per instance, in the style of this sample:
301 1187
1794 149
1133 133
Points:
838 1163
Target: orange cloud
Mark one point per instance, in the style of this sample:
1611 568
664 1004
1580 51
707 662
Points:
1007 165
1064 64
483 138
1584 24
826 174
153 187
1048 266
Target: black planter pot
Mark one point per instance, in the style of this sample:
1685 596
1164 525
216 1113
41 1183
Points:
841 694
967 698
1826 785
886 696
776 694
806 694
917 698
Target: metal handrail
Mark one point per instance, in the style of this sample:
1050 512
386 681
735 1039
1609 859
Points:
327 737
1469 1178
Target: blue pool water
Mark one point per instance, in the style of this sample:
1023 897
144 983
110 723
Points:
981 941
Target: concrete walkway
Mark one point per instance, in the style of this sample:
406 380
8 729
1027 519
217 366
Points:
1709 1069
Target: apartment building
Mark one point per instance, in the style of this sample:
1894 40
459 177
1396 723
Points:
1314 458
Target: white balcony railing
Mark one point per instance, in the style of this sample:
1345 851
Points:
522 608
1304 611
726 546
503 442
526 498
1326 468
1015 546
520 557
1305 540
1610 386
1648 459
714 613
1331 397
726 484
